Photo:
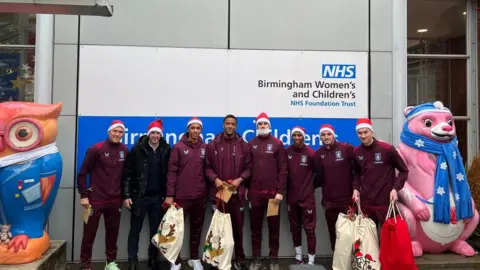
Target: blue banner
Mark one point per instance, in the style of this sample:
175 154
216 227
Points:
92 129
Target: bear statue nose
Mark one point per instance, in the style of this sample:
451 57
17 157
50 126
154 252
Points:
447 128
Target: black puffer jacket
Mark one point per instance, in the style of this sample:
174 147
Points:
135 173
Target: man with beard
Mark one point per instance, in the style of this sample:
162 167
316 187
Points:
301 196
334 166
269 177
375 179
144 188
229 161
186 185
103 163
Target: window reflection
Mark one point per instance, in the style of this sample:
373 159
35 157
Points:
17 29
17 74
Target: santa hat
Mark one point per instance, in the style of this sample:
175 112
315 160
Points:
194 120
364 123
299 129
328 128
156 125
262 117
115 124
436 106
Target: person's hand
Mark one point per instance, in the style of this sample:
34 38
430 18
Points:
127 203
393 195
356 195
85 202
219 184
278 198
234 184
169 200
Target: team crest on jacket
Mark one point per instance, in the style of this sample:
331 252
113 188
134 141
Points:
269 148
303 160
378 158
122 155
338 155
202 152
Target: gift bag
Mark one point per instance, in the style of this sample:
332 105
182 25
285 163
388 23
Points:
396 246
219 244
345 231
169 236
365 248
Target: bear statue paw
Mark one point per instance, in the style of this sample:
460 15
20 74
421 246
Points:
417 249
461 247
19 241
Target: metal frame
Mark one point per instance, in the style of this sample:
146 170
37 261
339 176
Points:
472 79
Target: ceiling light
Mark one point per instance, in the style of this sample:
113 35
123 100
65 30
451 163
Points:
422 30
464 13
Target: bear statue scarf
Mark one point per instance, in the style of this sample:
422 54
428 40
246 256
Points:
449 167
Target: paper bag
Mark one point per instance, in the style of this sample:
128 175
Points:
272 209
224 194
86 213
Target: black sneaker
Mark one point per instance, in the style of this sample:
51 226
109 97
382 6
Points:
255 264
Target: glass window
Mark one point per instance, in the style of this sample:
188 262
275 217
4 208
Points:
436 26
17 67
17 28
461 127
438 79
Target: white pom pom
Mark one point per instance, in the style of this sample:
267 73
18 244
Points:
438 105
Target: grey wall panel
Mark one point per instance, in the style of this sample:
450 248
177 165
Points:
381 85
381 25
299 25
383 129
179 23
66 29
65 77
60 221
66 145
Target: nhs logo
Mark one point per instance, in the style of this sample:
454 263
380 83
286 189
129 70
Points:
331 71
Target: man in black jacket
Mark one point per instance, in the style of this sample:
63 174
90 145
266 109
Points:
144 188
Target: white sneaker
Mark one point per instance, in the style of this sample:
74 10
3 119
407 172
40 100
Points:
195 264
112 266
176 266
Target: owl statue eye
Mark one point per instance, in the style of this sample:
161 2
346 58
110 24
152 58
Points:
24 134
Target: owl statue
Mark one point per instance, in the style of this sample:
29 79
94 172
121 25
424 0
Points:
30 175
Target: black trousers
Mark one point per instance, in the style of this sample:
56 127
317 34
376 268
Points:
152 206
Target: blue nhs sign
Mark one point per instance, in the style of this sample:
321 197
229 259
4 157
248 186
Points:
331 71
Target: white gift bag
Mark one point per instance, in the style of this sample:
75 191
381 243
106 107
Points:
219 244
345 230
366 249
169 237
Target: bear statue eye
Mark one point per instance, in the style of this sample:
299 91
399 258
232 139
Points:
450 122
428 122
23 134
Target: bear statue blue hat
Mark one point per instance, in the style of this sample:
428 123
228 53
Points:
436 106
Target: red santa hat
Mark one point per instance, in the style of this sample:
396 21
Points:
364 123
115 124
328 128
299 129
156 125
194 120
262 117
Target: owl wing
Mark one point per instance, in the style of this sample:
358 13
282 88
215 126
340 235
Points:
47 185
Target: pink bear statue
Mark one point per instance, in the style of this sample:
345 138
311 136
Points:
436 200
